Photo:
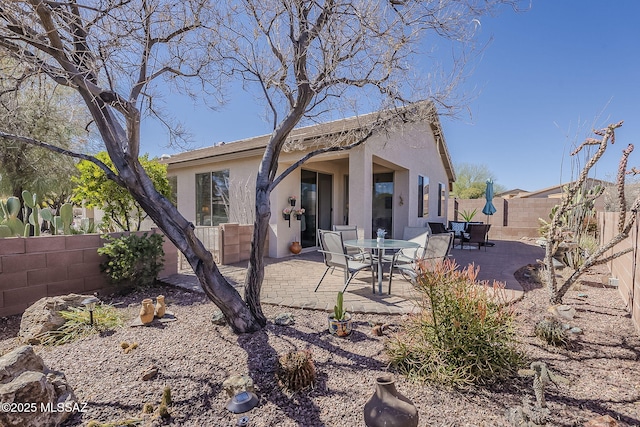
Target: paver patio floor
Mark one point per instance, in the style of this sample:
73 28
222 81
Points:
289 282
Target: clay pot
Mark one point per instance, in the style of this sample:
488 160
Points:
295 248
161 308
147 311
387 407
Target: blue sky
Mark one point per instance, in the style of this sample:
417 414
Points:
549 75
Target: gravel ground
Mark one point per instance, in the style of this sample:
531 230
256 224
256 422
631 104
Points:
194 357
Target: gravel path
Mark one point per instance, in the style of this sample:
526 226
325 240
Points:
194 357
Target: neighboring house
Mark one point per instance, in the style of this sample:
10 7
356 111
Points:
554 192
399 177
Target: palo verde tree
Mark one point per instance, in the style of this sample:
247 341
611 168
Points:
95 190
40 112
305 56
576 199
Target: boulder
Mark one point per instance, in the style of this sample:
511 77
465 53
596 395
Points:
565 312
44 316
38 396
237 383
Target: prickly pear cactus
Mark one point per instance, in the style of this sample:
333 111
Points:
31 201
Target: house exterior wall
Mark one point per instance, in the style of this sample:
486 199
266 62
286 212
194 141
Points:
408 153
35 267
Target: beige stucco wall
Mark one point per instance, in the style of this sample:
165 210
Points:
409 152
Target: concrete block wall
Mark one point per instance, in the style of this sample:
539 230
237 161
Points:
627 267
35 267
235 242
514 218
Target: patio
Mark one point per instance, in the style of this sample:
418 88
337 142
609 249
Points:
289 282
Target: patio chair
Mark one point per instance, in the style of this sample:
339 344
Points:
476 234
437 250
335 256
410 257
350 232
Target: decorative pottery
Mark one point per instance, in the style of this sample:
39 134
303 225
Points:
380 239
147 311
341 328
295 248
286 216
387 407
161 308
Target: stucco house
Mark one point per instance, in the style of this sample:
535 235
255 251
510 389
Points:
400 177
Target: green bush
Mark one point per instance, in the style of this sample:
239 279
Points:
463 335
133 260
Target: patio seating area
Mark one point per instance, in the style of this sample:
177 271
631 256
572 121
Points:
290 282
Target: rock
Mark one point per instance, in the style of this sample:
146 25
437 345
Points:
377 330
25 380
602 421
44 316
284 319
564 311
149 373
582 295
575 330
237 383
218 318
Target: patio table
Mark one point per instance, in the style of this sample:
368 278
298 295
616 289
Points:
374 245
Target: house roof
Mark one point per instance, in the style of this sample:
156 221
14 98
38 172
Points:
305 136
558 189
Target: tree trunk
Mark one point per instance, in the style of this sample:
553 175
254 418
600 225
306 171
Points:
165 215
255 271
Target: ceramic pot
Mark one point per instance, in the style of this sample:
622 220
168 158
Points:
341 328
161 308
295 248
380 239
387 407
147 311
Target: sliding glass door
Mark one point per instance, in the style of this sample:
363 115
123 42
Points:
382 203
315 197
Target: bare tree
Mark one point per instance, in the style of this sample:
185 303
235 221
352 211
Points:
570 214
305 56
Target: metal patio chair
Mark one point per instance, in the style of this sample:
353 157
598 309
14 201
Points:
335 256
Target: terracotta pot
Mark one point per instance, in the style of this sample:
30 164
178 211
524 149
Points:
161 308
295 248
387 407
341 328
147 311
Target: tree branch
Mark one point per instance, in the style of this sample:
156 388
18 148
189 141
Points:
110 174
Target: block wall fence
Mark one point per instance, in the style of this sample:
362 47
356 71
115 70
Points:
627 267
514 218
35 267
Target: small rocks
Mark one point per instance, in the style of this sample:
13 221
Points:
218 318
149 373
575 330
284 319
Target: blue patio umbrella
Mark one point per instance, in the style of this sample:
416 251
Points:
489 209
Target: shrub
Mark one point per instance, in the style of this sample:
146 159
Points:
132 259
463 335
